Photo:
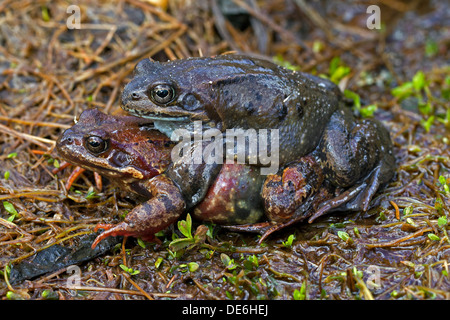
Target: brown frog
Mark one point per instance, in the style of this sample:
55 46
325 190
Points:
130 152
236 91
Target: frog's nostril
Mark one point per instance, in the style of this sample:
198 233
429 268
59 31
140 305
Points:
66 140
135 96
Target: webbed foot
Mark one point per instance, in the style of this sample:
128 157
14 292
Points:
355 198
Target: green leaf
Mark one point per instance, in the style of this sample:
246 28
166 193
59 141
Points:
340 73
10 208
419 81
426 108
158 262
45 14
251 263
354 96
12 155
288 242
279 59
403 91
129 270
185 226
334 64
442 221
179 244
408 210
433 237
300 294
317 46
192 266
431 48
426 124
343 235
91 194
141 243
49 294
368 111
227 261
6 175
10 295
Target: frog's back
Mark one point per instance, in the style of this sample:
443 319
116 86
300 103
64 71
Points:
264 95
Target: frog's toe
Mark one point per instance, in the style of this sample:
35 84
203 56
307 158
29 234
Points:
353 199
112 230
252 227
263 228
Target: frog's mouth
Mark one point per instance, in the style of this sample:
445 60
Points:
156 115
165 118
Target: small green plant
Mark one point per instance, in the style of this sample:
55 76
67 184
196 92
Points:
228 262
343 235
251 263
419 88
158 262
191 267
9 207
367 111
129 270
408 210
442 221
91 194
337 70
190 241
49 294
444 184
279 59
300 294
431 48
433 237
289 241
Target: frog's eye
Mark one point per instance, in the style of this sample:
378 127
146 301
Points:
162 93
96 144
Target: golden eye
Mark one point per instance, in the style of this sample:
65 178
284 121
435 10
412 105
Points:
96 144
162 93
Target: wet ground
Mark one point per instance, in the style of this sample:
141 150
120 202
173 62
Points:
399 249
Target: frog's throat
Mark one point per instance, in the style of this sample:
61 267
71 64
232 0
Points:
167 127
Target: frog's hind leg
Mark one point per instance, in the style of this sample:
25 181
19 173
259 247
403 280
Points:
356 156
353 199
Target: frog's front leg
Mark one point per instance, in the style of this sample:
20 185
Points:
160 211
357 156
